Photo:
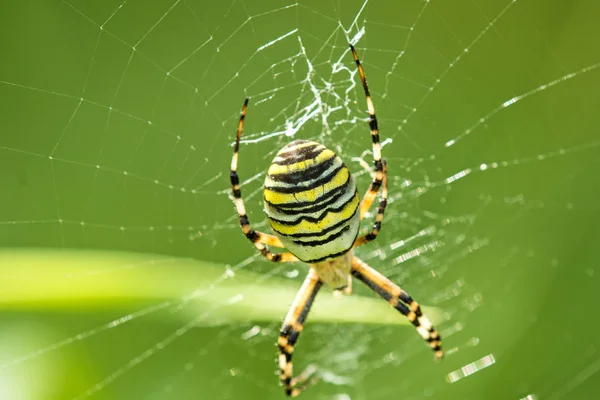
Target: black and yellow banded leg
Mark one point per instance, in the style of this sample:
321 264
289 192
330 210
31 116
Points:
380 211
288 336
400 300
259 239
377 161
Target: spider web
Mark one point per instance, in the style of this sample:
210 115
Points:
117 121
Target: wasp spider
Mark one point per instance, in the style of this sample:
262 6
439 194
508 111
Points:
312 205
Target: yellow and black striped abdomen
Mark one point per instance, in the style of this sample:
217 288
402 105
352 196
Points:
311 201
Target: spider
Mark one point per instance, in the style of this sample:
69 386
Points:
313 206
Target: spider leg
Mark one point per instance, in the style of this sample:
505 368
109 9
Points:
380 178
269 240
259 239
400 300
288 336
382 204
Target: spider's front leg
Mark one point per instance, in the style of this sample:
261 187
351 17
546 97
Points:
401 301
288 336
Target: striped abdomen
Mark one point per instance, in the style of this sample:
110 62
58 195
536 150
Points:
311 201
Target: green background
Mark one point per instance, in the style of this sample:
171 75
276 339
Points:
123 274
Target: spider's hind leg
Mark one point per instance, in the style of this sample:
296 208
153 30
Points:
260 240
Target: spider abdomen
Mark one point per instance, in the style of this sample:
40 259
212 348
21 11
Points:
311 201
